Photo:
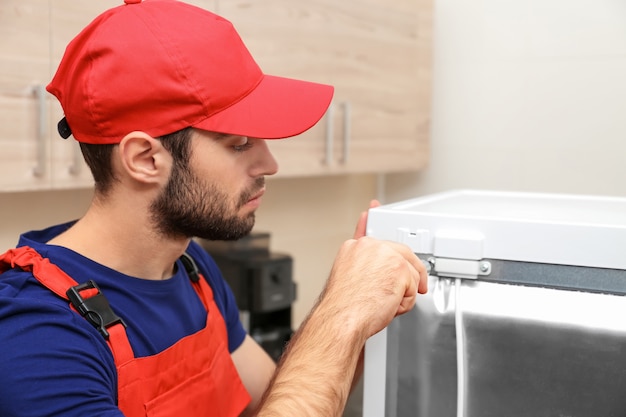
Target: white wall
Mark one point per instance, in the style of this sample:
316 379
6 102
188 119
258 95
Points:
528 95
24 211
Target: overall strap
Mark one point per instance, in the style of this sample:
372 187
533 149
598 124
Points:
85 299
199 283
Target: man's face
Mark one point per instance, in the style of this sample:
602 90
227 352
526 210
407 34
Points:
214 195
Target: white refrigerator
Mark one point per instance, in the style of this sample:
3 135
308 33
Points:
525 313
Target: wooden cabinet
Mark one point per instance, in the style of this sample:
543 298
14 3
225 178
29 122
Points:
376 53
33 36
24 45
68 17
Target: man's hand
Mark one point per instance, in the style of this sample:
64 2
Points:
370 283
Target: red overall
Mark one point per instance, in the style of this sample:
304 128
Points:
194 377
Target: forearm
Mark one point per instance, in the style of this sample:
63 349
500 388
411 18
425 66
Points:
358 373
316 373
315 376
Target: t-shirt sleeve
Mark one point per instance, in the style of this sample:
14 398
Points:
224 297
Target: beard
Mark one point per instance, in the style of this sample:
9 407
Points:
189 207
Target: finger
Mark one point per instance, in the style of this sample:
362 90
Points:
406 305
422 288
408 301
413 281
421 275
361 225
410 256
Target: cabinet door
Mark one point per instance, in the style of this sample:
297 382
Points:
24 105
375 53
384 80
69 17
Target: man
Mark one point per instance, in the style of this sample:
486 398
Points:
120 312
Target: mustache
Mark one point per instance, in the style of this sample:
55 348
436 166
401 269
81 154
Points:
257 186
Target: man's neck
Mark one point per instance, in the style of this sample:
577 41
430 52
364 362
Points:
123 240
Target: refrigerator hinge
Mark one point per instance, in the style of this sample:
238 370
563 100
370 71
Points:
457 268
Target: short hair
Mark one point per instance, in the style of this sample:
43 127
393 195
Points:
98 157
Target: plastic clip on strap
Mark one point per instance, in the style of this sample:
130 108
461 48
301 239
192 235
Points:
190 267
95 308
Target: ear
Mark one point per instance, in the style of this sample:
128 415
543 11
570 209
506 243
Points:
144 159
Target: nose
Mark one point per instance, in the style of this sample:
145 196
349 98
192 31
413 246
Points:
266 163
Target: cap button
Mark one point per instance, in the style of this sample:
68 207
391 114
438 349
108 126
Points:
132 1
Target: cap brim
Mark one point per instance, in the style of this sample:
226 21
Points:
277 108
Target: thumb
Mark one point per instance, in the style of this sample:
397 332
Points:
361 226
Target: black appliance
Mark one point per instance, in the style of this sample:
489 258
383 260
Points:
262 283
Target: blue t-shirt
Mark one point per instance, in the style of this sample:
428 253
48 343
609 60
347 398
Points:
54 362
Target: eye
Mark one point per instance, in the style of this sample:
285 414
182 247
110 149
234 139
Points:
243 145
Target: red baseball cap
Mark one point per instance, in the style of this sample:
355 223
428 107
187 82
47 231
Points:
159 66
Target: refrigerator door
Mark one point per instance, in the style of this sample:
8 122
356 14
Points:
525 315
473 348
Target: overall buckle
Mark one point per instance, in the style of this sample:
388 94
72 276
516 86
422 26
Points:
95 308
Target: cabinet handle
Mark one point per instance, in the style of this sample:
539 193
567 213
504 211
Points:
40 94
77 158
330 132
347 130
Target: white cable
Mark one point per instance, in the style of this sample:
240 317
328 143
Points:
460 352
